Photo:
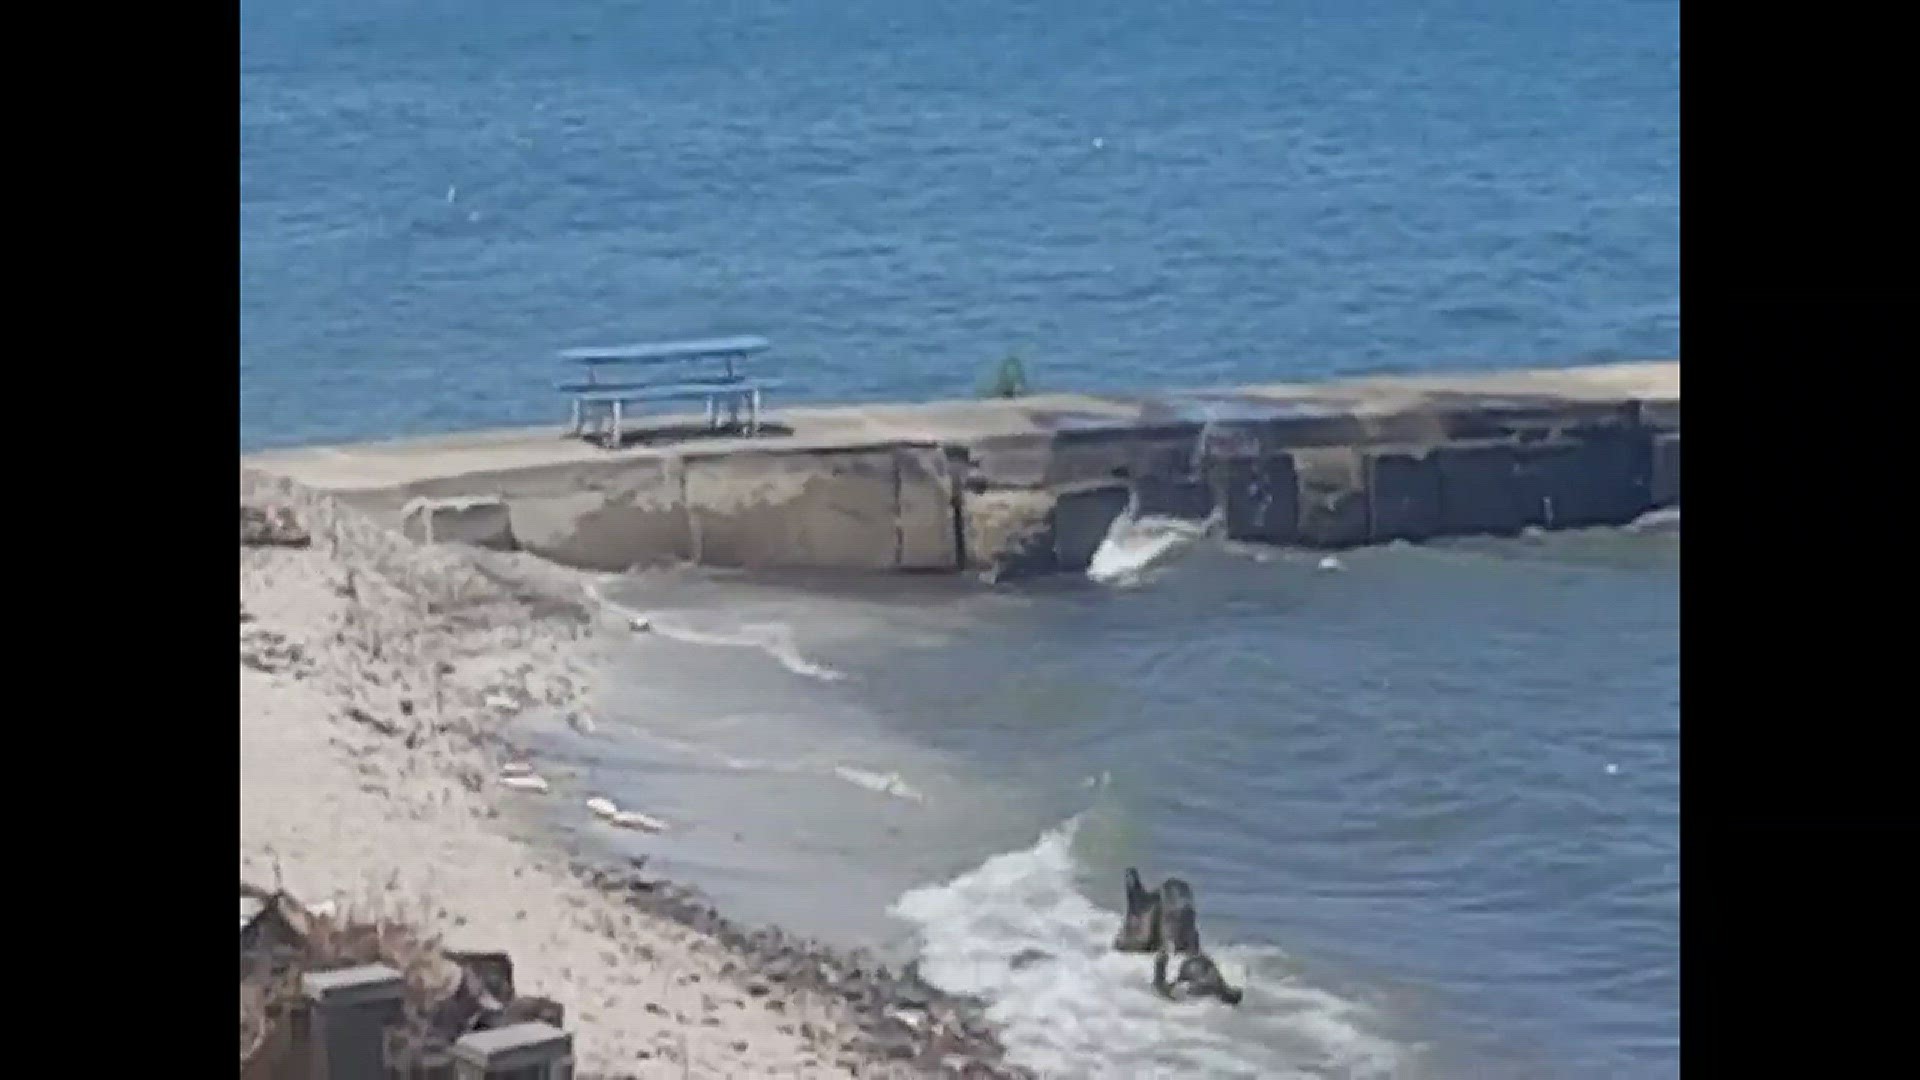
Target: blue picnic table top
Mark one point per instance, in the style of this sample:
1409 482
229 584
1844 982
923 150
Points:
665 351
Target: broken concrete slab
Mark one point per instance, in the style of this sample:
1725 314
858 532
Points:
479 520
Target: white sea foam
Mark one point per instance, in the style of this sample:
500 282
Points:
1656 521
1134 545
774 639
1087 1011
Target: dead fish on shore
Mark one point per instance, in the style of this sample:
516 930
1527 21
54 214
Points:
521 777
605 809
884 783
634 819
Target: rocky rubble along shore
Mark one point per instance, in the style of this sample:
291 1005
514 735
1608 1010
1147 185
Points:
379 680
901 1018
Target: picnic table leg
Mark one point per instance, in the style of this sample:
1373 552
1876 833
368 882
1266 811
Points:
713 412
733 411
577 418
616 437
753 417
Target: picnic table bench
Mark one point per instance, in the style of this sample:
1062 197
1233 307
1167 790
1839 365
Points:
601 396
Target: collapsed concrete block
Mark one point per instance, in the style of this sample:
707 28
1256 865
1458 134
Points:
352 1010
532 1051
1082 516
479 520
1011 533
1332 486
1008 532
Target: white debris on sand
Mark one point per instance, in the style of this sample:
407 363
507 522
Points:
362 775
634 819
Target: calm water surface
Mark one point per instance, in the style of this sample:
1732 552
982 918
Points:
436 194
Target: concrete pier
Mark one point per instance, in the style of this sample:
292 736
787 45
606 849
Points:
1032 484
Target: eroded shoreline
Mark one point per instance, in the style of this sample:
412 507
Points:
378 679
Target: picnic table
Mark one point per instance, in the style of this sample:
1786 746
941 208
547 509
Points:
617 377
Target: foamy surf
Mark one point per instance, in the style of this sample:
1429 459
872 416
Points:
1134 545
890 784
1656 521
1083 1010
774 639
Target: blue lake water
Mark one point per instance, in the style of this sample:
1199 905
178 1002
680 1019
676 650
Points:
437 194
1389 785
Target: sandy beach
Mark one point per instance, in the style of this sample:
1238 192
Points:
376 679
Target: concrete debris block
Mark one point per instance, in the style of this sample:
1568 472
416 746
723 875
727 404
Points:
352 1010
479 520
272 526
1082 516
490 972
1015 532
1008 531
539 1049
364 984
1333 495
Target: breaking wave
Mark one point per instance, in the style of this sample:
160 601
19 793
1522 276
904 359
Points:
1083 1010
1134 545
